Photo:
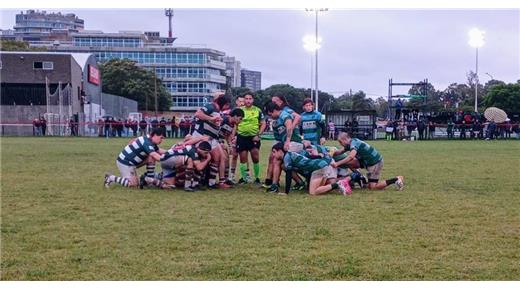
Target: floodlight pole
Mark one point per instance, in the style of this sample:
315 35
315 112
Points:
476 79
316 94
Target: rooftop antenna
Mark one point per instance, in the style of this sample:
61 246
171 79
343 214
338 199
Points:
169 13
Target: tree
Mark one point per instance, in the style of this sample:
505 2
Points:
431 100
15 45
357 101
293 95
504 96
361 102
453 95
238 91
342 102
381 107
124 78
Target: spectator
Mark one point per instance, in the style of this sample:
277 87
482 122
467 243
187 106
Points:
162 125
332 130
142 127
449 129
113 127
128 124
516 129
120 127
409 127
72 127
507 128
134 126
101 125
348 126
389 129
462 130
154 123
415 115
168 126
475 131
355 126
398 108
431 130
182 126
421 126
175 128
490 134
402 129
36 127
43 124
468 118
396 132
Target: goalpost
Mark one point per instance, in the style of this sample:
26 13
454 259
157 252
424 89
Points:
59 109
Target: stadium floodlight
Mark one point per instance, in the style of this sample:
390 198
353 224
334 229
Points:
313 46
476 40
310 43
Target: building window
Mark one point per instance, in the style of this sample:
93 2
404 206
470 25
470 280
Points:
48 65
45 65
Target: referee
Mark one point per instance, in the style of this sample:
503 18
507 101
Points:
248 137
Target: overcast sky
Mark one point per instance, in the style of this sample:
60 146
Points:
361 49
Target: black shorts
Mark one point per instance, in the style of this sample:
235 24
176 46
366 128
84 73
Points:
246 143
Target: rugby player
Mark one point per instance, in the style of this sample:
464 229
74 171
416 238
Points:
227 134
209 121
140 151
364 155
283 125
312 126
323 176
185 158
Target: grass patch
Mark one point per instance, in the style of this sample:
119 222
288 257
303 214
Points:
457 219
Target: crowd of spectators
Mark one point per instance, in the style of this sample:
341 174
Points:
172 127
461 125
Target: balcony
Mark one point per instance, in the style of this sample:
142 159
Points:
217 64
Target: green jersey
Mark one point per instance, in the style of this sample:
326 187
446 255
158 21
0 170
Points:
250 124
296 161
366 154
280 131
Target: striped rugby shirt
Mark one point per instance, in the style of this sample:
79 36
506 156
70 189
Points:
206 127
181 150
311 126
225 128
137 151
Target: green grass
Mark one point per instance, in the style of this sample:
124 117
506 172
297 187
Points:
457 219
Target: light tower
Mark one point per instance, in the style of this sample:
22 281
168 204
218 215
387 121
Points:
476 40
169 13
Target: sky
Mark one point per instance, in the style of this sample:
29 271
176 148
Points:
361 49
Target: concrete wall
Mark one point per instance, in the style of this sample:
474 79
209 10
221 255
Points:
18 68
17 120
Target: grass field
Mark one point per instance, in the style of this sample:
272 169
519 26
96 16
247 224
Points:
457 219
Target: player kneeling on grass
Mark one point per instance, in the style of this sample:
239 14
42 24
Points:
368 157
187 158
343 171
323 176
138 152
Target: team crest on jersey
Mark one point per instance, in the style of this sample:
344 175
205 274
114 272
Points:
309 125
